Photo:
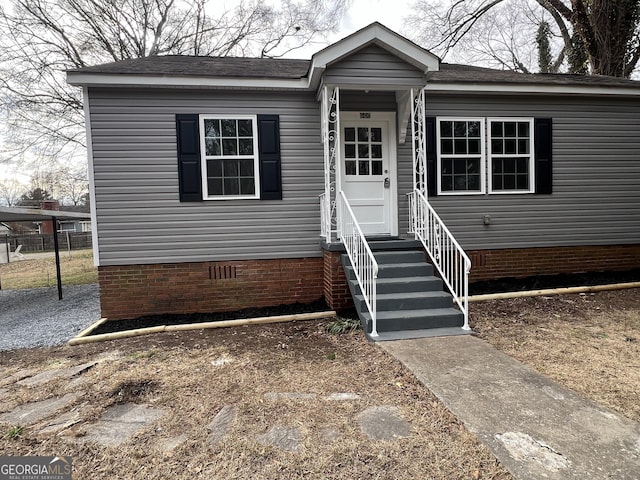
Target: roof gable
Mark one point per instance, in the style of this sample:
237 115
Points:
378 34
373 34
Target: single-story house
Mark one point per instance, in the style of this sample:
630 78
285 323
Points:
224 183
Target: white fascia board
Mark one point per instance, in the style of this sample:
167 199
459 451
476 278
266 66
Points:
510 88
121 80
376 33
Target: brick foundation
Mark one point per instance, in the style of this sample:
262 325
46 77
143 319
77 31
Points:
131 291
490 264
336 290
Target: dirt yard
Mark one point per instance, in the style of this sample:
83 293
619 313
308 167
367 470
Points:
76 269
273 376
588 342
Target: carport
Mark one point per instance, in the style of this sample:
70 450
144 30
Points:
14 214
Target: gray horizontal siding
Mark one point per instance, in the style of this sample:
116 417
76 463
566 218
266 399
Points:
373 65
140 219
596 176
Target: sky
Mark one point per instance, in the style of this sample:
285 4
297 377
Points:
363 12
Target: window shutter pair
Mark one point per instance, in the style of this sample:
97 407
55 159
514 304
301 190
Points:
189 167
542 151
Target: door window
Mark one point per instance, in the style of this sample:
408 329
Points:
363 151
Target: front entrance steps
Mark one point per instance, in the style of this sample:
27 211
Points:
411 302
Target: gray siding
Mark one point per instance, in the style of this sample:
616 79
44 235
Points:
372 65
596 176
140 219
596 199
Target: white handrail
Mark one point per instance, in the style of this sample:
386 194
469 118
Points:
362 260
448 256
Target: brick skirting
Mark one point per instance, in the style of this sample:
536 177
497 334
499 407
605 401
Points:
336 290
527 262
131 291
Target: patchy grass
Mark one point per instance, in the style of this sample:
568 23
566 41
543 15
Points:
193 375
76 269
588 342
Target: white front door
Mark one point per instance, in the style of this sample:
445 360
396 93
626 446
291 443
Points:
368 153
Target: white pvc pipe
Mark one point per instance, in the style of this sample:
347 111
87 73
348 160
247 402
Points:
554 291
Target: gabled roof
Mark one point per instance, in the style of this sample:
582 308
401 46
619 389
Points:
280 73
377 34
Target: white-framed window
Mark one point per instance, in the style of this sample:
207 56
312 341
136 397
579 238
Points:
485 155
511 161
461 155
229 149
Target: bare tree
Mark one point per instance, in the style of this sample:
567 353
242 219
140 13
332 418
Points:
503 39
10 191
41 39
609 31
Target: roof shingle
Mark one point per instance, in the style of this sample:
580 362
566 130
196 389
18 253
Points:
283 68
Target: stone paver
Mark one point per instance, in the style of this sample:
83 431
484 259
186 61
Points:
283 437
33 412
60 423
383 423
50 375
221 423
120 422
537 428
19 375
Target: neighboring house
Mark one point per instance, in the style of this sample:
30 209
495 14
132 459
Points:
5 229
76 226
206 172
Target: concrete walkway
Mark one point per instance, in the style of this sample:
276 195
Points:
537 428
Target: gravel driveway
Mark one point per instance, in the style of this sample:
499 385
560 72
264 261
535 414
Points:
36 318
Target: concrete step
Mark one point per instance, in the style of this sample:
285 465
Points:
395 244
389 321
397 270
427 283
414 269
388 257
424 333
408 301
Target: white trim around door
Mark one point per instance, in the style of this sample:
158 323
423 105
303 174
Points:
368 170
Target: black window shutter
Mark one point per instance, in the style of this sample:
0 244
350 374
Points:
269 151
432 170
189 173
543 155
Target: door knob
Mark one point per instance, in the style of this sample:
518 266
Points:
387 182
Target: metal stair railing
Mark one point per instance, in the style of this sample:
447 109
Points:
362 260
448 256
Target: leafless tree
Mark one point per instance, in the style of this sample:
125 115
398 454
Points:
10 191
609 31
41 39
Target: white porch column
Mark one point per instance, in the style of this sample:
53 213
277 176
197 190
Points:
419 137
331 143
